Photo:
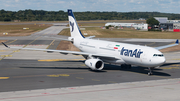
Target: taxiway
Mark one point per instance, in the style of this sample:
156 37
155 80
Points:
27 74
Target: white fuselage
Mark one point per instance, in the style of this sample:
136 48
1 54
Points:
124 53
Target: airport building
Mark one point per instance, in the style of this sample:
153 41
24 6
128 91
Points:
170 25
164 24
141 26
119 24
161 19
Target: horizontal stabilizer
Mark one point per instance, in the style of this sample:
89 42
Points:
90 37
177 41
167 46
5 44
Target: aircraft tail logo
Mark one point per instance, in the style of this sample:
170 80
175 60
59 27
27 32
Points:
72 26
74 29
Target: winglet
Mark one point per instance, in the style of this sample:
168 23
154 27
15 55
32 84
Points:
177 41
5 44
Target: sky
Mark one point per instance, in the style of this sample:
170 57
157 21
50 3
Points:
165 6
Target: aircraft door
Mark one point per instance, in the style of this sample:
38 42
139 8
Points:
144 58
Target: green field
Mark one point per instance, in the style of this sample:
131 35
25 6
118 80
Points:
124 33
93 29
17 30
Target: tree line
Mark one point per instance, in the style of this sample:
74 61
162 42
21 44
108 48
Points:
41 15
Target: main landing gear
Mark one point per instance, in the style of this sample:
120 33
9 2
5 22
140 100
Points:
150 71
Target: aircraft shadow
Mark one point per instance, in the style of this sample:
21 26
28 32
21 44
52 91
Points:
141 70
169 64
54 68
72 61
75 68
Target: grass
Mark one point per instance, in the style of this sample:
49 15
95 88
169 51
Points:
17 30
124 33
103 22
91 24
3 41
65 32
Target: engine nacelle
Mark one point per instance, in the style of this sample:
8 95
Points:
95 64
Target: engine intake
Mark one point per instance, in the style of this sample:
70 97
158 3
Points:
95 64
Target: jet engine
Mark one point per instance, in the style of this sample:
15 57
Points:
95 64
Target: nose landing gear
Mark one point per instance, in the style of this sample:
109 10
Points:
150 71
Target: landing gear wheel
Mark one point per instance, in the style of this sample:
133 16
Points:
149 74
150 71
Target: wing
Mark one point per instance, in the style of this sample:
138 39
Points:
166 46
66 52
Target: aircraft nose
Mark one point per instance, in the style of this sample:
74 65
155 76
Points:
158 61
163 60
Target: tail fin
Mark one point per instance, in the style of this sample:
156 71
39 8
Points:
74 29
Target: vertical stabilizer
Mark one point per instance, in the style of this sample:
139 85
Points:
74 29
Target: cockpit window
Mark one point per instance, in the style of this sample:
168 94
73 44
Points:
159 55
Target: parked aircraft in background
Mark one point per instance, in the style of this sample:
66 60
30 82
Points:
97 52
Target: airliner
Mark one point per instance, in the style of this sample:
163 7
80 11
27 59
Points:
97 52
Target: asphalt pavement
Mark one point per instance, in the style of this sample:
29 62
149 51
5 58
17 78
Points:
37 75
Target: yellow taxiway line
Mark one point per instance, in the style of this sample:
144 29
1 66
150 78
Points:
4 78
50 44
